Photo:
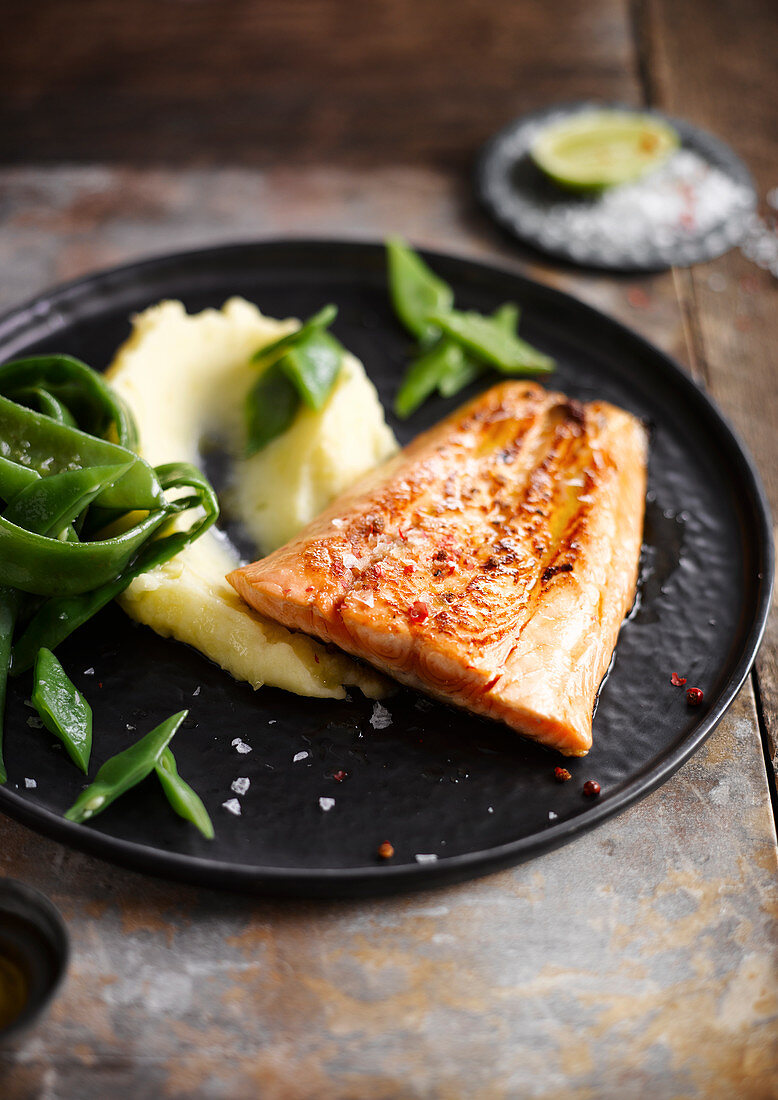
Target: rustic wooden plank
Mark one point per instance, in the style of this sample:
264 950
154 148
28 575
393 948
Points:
717 64
293 81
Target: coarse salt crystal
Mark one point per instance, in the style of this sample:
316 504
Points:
326 804
300 756
350 561
240 785
240 746
490 809
380 718
427 857
338 523
232 806
89 672
272 721
30 784
196 691
552 816
366 598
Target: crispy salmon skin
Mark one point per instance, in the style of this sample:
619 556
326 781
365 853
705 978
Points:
490 563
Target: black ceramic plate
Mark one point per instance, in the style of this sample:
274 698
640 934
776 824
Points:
436 782
694 208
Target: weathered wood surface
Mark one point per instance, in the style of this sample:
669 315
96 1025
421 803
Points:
640 960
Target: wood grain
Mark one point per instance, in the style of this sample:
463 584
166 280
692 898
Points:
297 81
732 305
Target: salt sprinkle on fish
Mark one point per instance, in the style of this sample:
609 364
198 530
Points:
232 806
240 785
380 718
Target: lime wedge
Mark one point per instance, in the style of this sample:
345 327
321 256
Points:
597 149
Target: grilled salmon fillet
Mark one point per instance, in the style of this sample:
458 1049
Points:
490 563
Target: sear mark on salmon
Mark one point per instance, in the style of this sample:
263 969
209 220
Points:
498 586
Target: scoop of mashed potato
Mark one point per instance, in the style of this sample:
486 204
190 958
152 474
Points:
185 377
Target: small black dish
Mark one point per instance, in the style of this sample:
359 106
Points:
695 207
34 948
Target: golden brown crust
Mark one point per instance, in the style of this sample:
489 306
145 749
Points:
490 563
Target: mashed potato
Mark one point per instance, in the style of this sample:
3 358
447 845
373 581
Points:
185 377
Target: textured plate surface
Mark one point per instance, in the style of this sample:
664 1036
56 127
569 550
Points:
435 782
694 208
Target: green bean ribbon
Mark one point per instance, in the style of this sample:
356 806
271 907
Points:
81 513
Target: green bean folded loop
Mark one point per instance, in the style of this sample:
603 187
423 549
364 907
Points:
68 470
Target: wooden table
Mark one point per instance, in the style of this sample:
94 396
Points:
638 961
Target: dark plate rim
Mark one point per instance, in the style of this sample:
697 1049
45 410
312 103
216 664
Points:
685 128
388 878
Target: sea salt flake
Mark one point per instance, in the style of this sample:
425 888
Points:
490 809
552 816
326 804
367 598
350 561
425 857
30 784
196 691
380 718
232 806
338 523
240 785
272 721
89 672
240 746
298 756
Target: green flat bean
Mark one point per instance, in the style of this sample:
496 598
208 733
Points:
50 504
14 478
34 440
270 408
271 353
488 340
63 709
426 374
9 608
125 770
58 617
416 292
48 567
186 802
85 394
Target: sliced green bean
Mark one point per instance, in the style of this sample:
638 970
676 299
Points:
125 770
271 353
416 291
63 709
313 365
270 408
425 374
185 801
488 340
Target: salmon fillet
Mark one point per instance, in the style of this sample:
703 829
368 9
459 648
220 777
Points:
490 563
